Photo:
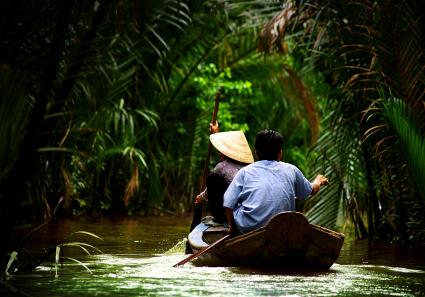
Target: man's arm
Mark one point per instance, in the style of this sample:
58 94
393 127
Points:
319 181
229 214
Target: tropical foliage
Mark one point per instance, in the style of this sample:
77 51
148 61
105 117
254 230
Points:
368 52
107 104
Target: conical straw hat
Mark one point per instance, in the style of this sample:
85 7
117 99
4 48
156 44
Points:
233 144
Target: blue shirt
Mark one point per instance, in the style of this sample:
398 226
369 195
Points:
263 189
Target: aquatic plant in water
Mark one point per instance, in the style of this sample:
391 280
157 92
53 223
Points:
83 246
29 262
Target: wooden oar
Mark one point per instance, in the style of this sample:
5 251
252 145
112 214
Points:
201 252
197 216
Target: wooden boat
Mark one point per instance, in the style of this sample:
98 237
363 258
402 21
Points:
287 241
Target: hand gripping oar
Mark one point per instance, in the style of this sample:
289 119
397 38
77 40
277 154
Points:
201 252
198 207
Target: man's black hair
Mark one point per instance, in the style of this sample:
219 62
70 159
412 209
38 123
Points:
268 144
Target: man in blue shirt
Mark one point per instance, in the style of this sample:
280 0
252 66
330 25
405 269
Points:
266 187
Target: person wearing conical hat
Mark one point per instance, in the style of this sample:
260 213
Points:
235 153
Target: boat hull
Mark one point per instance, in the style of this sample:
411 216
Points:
287 241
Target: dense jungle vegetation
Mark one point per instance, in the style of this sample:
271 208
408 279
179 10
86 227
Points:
105 104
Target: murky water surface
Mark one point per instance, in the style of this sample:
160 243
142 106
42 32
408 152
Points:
138 255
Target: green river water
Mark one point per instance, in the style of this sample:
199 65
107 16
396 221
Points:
138 255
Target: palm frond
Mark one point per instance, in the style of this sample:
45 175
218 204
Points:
273 33
340 160
403 122
15 107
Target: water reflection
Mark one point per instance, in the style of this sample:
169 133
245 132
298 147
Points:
139 255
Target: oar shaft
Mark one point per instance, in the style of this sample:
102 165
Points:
201 252
197 214
207 158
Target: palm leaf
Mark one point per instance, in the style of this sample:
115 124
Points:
14 111
340 160
403 122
